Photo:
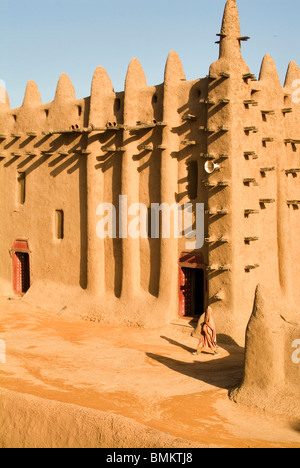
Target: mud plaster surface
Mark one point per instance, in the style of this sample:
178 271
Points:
149 377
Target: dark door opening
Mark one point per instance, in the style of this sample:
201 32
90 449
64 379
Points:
192 285
198 292
192 292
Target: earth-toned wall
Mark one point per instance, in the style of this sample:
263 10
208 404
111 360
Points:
79 153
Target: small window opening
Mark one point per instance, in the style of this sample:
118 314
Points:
22 187
79 111
47 112
155 99
59 224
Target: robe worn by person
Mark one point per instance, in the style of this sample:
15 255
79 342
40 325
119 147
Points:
208 337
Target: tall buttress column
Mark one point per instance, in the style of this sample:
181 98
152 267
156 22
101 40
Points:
174 75
101 111
134 85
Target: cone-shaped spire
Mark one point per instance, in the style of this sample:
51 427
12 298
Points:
230 31
174 70
65 90
32 95
101 83
101 92
293 73
134 83
135 77
4 99
268 71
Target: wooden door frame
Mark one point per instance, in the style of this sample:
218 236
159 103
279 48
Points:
19 246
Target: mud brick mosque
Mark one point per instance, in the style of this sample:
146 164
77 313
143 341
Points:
229 140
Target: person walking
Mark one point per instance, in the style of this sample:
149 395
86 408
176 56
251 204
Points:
208 337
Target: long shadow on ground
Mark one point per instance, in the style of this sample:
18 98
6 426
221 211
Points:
225 373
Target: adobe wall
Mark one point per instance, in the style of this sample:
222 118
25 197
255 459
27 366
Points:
111 279
54 181
132 276
224 117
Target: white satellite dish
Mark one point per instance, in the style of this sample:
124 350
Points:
211 167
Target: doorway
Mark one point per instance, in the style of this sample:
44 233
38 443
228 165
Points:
192 285
21 267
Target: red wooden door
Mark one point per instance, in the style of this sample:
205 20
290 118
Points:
21 272
21 268
181 292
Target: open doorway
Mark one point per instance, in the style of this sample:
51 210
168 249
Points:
192 285
21 267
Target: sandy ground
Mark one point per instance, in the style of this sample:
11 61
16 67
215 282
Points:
149 376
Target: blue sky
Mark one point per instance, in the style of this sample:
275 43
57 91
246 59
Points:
40 39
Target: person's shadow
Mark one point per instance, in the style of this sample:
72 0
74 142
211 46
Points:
226 372
176 343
